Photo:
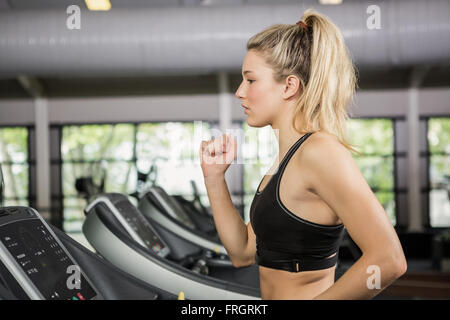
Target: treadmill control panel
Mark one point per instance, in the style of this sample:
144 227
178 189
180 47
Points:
37 260
172 207
141 227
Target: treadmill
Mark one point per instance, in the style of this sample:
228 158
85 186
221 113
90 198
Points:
38 261
199 214
122 235
163 211
169 219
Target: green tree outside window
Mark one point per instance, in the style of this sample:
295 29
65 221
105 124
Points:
439 171
14 160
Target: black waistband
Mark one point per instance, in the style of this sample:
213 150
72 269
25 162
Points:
297 265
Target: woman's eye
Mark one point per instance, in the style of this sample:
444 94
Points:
251 81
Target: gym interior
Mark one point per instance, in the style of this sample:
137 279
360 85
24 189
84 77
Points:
104 104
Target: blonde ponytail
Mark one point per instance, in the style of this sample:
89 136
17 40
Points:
318 55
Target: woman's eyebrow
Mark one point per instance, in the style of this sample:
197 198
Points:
247 71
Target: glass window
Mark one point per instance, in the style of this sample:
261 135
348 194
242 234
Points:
15 165
439 171
120 150
173 148
374 138
88 151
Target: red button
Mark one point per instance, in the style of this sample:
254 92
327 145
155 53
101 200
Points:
80 296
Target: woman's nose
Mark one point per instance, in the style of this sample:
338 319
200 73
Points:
239 92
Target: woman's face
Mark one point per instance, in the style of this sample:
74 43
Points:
259 93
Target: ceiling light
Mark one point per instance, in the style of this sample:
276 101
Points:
330 1
98 5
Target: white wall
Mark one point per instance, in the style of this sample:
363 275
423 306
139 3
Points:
202 107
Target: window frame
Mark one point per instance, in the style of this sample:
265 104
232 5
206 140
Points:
30 161
58 197
427 154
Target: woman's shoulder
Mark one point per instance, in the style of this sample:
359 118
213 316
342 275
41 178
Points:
321 139
323 146
327 160
324 136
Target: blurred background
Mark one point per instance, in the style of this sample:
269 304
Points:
111 89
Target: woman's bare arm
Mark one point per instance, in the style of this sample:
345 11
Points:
237 238
335 177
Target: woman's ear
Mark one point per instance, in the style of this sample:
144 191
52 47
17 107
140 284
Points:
292 86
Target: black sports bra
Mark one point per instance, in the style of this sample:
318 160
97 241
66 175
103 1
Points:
285 241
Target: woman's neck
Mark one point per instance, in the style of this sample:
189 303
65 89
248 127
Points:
286 136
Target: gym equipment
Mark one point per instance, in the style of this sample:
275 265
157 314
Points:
38 261
163 210
199 214
87 188
121 234
196 203
147 179
169 219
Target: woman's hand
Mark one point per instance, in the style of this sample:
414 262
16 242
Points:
216 155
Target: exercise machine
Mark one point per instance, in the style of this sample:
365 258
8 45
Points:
39 261
122 235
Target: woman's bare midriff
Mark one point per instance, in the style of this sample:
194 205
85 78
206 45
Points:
306 285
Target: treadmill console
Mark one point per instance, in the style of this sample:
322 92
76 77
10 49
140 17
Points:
34 263
171 206
132 220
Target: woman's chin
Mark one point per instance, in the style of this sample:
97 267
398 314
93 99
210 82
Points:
250 122
253 123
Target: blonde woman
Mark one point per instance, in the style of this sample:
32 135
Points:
299 79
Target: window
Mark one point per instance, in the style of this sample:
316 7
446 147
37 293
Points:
120 150
15 165
174 148
374 138
87 151
438 140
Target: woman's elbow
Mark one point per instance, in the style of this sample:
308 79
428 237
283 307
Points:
400 266
392 266
241 263
396 265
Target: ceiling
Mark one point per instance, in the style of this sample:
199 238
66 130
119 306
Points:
55 4
388 78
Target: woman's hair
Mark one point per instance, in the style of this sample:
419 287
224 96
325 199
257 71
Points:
317 54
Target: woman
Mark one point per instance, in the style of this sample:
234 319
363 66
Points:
299 80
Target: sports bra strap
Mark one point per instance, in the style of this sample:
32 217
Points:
292 150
